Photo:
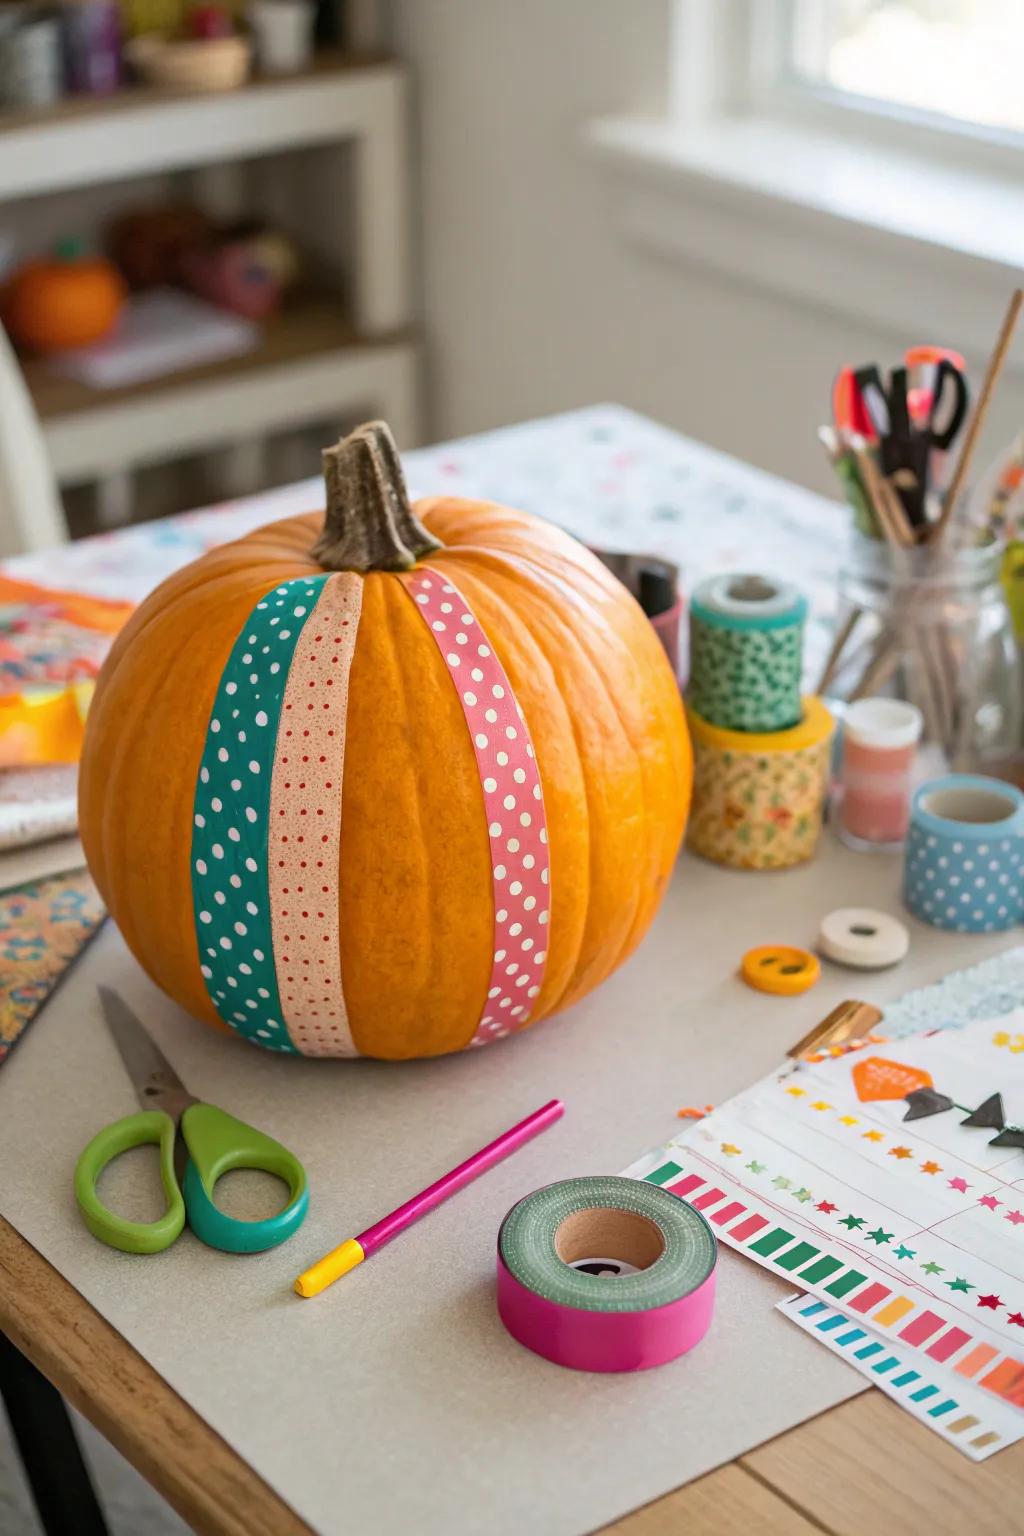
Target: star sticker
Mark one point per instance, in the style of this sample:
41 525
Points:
820 1104
873 1136
848 1120
960 1284
802 1195
878 1236
900 1152
992 1302
930 1167
826 1206
1016 1217
797 1093
852 1222
931 1268
1016 1317
781 1183
989 1200
730 1150
960 1184
904 1253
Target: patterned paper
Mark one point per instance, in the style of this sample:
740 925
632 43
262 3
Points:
42 929
973 1421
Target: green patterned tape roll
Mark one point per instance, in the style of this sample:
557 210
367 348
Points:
746 652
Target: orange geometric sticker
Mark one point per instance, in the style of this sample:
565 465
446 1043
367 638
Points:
875 1078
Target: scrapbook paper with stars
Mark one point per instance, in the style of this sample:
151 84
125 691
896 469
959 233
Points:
888 1181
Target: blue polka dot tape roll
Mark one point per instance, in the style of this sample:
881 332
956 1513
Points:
964 867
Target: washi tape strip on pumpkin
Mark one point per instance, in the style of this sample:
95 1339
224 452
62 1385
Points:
513 803
230 882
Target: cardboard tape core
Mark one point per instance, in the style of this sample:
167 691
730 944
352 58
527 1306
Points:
618 1234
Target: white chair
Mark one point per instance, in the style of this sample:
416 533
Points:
31 512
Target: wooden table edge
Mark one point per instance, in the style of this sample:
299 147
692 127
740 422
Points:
212 1488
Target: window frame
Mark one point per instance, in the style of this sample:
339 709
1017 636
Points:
745 49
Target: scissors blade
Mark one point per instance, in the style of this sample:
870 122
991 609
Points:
156 1083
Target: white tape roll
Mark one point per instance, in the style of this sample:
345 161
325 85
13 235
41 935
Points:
863 938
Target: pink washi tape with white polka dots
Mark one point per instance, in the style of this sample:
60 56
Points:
513 803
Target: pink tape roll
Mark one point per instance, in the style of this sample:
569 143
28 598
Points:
603 1341
606 1274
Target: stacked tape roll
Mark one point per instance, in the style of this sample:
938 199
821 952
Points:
758 799
746 652
606 1274
964 867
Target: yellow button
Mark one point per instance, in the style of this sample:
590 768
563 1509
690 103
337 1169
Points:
780 968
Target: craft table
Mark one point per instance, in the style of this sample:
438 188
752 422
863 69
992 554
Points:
673 1027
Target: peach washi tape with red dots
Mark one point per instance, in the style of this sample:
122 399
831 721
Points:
304 826
513 803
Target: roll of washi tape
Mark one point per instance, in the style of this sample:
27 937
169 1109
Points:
863 939
758 799
746 652
606 1274
964 867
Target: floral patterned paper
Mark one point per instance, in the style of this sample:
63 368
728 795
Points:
43 927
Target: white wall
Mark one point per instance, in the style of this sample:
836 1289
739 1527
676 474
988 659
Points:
532 300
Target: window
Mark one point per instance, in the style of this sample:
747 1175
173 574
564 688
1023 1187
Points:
958 60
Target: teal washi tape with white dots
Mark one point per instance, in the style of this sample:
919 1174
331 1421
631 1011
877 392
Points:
746 652
964 866
232 804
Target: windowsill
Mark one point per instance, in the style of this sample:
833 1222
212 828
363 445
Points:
845 224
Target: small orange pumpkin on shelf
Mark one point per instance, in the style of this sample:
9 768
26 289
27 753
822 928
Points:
389 783
67 300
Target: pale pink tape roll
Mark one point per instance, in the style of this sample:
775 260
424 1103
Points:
603 1341
513 803
304 833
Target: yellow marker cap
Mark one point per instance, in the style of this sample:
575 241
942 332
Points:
330 1268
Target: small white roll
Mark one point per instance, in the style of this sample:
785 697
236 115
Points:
862 938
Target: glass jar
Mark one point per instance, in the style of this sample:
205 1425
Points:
931 625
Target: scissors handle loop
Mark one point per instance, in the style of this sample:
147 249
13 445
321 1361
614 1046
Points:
218 1143
149 1127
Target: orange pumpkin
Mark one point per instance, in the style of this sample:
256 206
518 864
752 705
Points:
390 782
65 301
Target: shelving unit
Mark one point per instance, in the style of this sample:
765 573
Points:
320 357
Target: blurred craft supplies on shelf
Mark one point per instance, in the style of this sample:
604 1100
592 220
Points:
216 1143
889 444
355 1249
158 333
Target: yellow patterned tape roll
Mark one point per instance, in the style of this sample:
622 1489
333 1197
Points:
758 800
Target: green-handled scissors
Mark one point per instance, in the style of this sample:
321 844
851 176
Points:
216 1143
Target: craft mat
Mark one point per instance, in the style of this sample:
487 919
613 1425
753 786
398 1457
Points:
396 1400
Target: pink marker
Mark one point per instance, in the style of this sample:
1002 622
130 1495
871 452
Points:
355 1249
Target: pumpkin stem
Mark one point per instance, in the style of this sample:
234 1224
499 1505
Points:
369 524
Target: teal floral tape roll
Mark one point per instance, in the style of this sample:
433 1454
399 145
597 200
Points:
746 652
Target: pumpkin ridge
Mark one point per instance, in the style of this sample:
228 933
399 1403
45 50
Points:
386 586
583 977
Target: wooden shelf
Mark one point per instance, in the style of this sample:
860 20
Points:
306 328
144 129
311 364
